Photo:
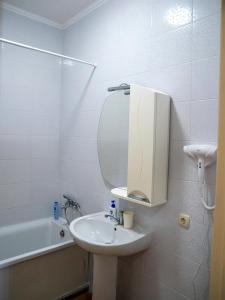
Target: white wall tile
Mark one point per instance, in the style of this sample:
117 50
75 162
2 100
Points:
205 79
180 166
20 97
25 213
30 87
83 124
74 172
185 196
14 195
172 48
15 122
15 147
163 79
67 172
131 41
175 60
82 95
15 171
97 204
201 283
181 75
45 191
205 8
79 149
45 146
14 68
145 287
206 34
175 272
44 169
204 121
47 98
170 14
45 124
180 121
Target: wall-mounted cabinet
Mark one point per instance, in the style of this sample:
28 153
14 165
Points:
148 147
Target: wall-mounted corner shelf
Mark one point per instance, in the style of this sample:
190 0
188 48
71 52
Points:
121 193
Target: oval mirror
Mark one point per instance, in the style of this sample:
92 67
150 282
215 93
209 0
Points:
113 139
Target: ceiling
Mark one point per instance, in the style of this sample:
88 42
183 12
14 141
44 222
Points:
58 11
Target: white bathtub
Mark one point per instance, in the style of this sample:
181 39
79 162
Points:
24 241
45 249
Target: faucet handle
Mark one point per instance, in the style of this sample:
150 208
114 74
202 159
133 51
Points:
69 197
75 205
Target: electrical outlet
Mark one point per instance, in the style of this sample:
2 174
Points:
184 220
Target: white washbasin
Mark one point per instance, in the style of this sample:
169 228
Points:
97 234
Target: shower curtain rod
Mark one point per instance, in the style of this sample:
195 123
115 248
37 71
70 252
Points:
47 52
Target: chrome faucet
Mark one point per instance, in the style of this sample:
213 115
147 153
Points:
113 218
70 203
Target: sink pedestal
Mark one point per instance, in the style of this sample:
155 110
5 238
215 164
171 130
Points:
104 277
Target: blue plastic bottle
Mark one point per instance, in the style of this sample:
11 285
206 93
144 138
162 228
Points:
56 210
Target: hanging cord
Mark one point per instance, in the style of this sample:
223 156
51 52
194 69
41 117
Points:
204 195
203 187
205 246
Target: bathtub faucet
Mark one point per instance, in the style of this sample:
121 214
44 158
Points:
70 203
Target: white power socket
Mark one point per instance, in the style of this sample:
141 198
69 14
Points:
184 220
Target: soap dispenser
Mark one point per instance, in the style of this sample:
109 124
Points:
113 210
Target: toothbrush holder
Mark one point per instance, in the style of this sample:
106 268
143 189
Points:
128 219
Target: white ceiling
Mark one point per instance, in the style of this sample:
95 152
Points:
58 11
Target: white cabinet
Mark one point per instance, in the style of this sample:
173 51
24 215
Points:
148 147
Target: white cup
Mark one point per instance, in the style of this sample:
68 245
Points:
128 219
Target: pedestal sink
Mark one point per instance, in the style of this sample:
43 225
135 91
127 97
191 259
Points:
107 241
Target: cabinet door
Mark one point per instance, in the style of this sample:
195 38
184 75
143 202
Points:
141 142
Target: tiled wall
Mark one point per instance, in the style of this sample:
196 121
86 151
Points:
131 41
30 85
139 41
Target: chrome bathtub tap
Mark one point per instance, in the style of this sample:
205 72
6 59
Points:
70 203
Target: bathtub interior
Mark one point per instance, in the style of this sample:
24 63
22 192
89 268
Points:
31 236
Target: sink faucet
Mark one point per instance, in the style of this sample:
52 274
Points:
113 218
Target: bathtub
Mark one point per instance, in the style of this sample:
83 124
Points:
24 241
40 247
